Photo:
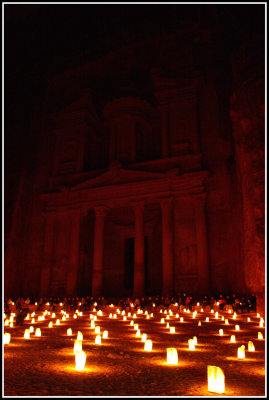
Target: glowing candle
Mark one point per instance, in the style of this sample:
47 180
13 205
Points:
39 318
33 321
132 323
115 316
69 332
237 327
216 315
144 337
97 329
110 315
230 311
215 379
98 339
191 344
249 319
77 346
151 315
50 324
258 315
7 322
202 310
207 319
57 322
222 318
167 317
75 316
188 311
199 323
261 320
162 321
27 334
100 313
165 311
194 340
105 334
92 324
172 329
137 333
260 336
124 318
211 311
134 316
241 352
53 315
95 318
177 315
129 314
38 332
232 339
172 356
11 324
79 336
31 329
63 318
7 338
221 332
167 325
261 324
135 327
148 317
251 346
181 319
148 345
226 322
80 360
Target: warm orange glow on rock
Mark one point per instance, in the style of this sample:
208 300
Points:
215 379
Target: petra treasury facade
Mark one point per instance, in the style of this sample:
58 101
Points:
146 174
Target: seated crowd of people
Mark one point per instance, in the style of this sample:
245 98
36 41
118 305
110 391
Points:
239 304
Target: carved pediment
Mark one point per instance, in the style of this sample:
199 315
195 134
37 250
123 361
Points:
116 176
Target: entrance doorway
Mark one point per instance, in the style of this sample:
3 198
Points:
129 263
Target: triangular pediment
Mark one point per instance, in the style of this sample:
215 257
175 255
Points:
117 177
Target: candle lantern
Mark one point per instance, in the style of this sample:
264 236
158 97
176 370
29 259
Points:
199 323
144 337
7 338
92 324
181 319
211 311
251 346
57 322
172 329
226 322
222 318
105 334
216 315
162 321
124 318
232 339
69 332
132 323
148 345
237 328
80 360
172 356
137 333
31 329
207 319
260 336
97 329
258 315
79 336
38 332
191 344
7 322
215 379
50 324
249 319
53 315
115 316
261 324
151 315
98 339
33 321
77 346
135 327
27 334
194 340
148 317
75 316
221 332
167 325
177 315
241 352
63 318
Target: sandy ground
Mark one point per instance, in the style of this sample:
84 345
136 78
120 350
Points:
45 366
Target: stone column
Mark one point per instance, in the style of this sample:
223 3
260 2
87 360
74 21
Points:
165 130
98 250
48 248
72 276
202 244
139 256
167 246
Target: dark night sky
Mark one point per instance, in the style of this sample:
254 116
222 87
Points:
41 40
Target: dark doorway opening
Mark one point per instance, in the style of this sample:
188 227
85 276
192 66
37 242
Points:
129 263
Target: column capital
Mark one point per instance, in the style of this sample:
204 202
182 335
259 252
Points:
138 205
101 211
166 202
